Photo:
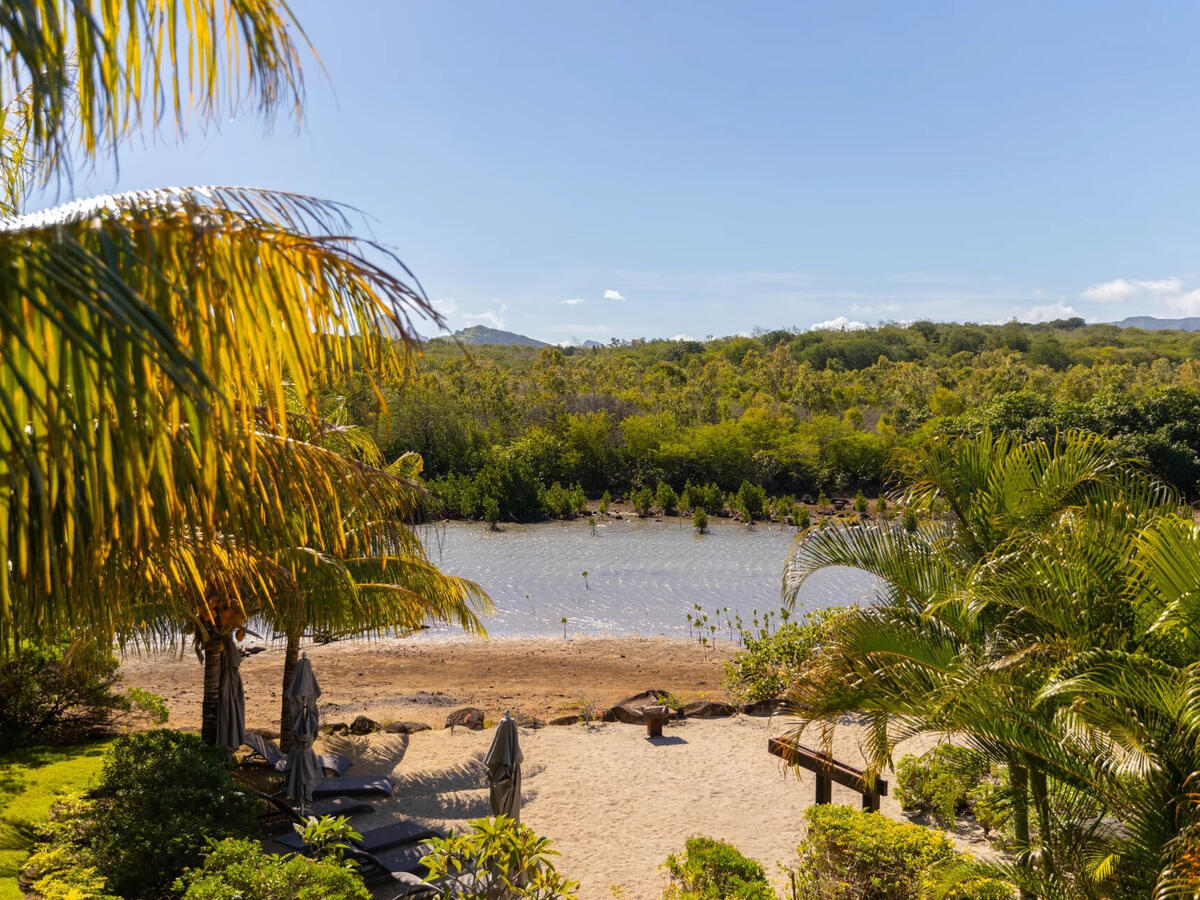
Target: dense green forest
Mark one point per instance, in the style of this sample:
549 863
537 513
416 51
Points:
794 413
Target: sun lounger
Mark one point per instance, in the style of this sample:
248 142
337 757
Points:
284 815
267 751
376 840
352 785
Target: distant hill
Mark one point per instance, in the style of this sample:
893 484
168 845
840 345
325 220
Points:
590 344
1151 323
481 334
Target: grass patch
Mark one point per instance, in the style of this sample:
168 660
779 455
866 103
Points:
31 780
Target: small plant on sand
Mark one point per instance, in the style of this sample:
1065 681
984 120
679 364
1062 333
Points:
910 519
714 870
588 709
605 500
666 499
860 503
564 625
700 521
803 518
823 504
503 858
881 508
642 500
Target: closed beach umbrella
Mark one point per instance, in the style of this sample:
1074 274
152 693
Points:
503 763
231 700
303 771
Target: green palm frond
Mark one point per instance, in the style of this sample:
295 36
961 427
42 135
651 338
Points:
95 71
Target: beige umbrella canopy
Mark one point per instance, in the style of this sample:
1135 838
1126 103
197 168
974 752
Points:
503 763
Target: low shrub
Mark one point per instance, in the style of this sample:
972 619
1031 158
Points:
771 661
700 521
63 693
714 870
939 782
666 499
850 854
642 500
160 798
506 859
752 499
708 497
240 869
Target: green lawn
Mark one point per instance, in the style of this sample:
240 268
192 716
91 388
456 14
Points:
30 781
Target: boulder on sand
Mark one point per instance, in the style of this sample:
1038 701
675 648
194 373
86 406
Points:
363 725
645 698
629 715
405 727
468 717
762 707
707 709
572 719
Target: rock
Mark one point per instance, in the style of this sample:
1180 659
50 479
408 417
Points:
645 698
707 709
363 725
405 727
628 715
468 717
761 707
526 721
334 728
572 719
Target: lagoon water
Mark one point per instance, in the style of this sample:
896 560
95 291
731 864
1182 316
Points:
643 576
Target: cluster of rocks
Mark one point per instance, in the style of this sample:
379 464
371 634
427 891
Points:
628 711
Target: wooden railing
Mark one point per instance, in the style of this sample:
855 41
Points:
829 771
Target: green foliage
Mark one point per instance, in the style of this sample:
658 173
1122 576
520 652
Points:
562 503
823 503
714 870
940 781
160 797
63 693
803 517
507 859
751 499
605 500
32 781
666 499
241 869
642 500
708 497
700 520
771 661
849 854
881 508
860 502
328 836
910 519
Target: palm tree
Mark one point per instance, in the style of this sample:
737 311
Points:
146 339
979 606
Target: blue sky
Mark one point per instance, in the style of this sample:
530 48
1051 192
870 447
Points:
576 171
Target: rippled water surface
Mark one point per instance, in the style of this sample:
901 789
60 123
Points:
643 576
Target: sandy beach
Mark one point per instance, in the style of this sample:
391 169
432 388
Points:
614 803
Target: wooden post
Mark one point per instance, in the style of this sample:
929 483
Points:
655 716
824 789
870 801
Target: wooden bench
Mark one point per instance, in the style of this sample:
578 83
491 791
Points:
829 771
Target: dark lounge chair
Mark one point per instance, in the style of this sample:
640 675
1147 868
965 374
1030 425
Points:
282 815
376 785
270 754
376 840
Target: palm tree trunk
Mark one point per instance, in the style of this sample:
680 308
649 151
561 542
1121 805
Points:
213 648
291 656
1018 782
1041 804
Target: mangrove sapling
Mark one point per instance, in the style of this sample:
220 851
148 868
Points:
586 586
564 625
700 520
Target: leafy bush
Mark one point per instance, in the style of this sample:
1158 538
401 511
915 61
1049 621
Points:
605 500
752 499
803 518
849 854
160 798
708 497
63 693
714 870
700 521
240 869
642 500
771 661
506 858
666 499
939 781
562 502
860 502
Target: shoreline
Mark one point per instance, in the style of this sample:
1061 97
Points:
422 681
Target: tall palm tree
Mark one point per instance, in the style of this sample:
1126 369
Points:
146 338
979 606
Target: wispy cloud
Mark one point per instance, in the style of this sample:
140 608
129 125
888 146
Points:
1120 289
494 318
841 323
572 301
610 294
1048 312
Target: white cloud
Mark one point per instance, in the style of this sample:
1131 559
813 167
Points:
841 323
572 301
610 294
488 317
1048 312
1187 304
869 309
683 337
1127 288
